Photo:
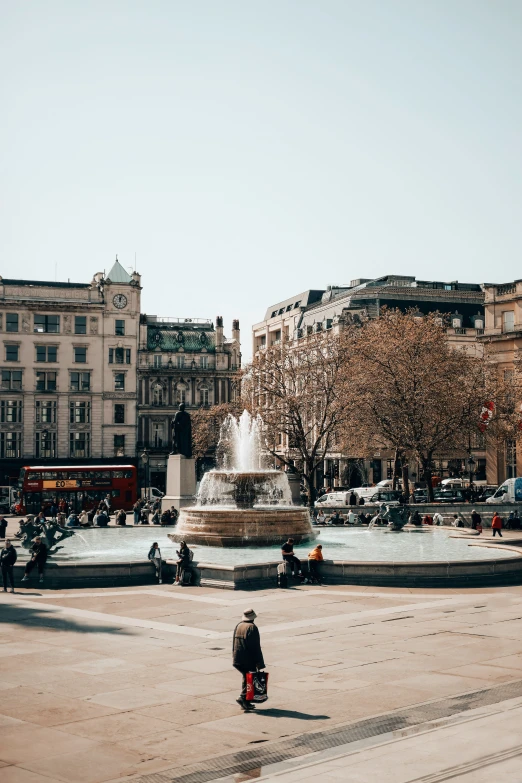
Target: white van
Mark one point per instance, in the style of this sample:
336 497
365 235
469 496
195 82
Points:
508 492
334 499
152 493
452 483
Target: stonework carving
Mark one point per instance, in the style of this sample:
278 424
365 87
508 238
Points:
94 324
26 324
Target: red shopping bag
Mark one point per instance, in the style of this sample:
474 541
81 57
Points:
257 686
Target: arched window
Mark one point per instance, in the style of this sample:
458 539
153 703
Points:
203 395
157 394
181 393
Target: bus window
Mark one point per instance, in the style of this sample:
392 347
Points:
34 476
115 493
102 474
51 475
127 474
117 474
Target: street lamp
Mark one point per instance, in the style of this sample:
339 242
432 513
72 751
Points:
145 460
471 468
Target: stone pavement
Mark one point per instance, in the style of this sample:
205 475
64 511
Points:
365 684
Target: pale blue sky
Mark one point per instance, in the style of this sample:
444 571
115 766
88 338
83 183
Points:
246 151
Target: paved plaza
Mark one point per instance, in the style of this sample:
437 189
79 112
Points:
366 684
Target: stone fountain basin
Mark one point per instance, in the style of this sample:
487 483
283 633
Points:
230 527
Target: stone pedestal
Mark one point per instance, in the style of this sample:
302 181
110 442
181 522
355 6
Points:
295 488
181 482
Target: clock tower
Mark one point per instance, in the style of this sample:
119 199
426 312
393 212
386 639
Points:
122 301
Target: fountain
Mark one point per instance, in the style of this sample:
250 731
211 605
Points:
243 503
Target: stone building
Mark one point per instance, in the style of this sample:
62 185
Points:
68 370
461 305
180 360
503 332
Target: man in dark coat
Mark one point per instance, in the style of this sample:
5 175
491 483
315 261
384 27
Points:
246 652
182 433
7 560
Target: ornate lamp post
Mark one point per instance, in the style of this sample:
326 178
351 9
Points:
146 465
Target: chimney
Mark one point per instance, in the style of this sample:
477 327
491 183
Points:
219 333
235 329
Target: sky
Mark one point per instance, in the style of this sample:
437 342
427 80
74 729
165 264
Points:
240 152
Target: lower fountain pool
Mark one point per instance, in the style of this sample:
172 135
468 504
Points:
117 545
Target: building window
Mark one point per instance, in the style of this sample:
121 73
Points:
181 394
119 381
119 414
157 360
157 394
119 445
11 322
45 411
181 362
10 411
12 353
511 459
80 445
46 445
49 324
119 355
508 320
11 379
46 353
80 324
10 445
45 381
119 328
79 412
158 435
203 362
203 396
80 354
80 381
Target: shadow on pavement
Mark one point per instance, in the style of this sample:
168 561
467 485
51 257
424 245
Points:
272 712
38 617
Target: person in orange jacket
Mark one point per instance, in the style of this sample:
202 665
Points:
496 524
314 558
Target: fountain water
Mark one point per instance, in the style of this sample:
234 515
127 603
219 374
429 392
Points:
243 503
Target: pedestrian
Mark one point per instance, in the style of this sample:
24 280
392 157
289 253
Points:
166 517
101 519
136 509
246 653
84 519
496 524
156 519
108 504
72 520
38 558
145 513
287 550
53 510
352 517
182 563
476 519
438 519
336 519
427 520
8 557
415 518
3 526
321 519
155 558
121 518
314 558
352 501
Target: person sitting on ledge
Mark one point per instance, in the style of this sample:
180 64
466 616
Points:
287 550
182 563
121 518
73 520
101 519
321 519
38 558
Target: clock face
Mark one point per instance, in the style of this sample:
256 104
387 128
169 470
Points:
120 301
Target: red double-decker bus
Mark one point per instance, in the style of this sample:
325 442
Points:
82 486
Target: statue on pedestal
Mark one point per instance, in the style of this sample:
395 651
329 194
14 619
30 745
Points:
182 433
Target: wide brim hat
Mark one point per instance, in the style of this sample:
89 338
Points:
249 614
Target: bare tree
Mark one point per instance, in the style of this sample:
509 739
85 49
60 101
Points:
297 388
206 425
416 393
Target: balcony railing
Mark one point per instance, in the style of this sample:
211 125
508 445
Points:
509 288
153 319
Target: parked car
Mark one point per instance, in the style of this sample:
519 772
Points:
484 494
388 496
449 496
420 495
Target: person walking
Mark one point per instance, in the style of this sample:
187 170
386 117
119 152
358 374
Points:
314 558
8 557
3 526
38 558
287 550
352 501
476 520
246 653
496 524
155 558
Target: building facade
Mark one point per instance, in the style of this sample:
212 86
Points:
461 306
68 383
503 333
180 361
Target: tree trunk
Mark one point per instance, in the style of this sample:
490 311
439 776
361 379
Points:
405 479
427 473
396 462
